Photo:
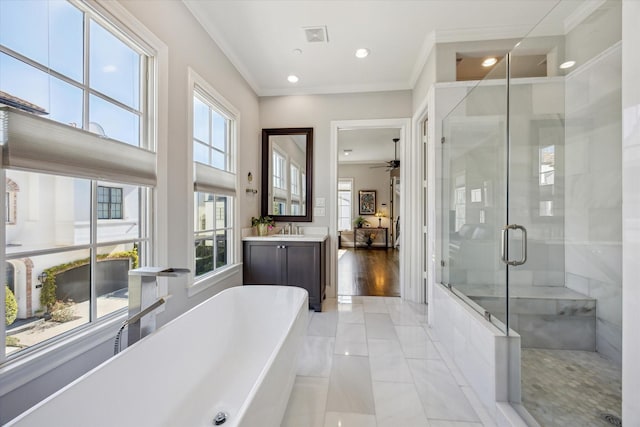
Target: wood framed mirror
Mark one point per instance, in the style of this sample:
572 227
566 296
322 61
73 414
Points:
287 172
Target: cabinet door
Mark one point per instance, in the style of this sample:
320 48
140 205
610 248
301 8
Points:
263 264
303 268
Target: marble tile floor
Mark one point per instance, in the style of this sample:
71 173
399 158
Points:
570 388
371 362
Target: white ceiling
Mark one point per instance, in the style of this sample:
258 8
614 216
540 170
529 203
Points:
260 36
367 145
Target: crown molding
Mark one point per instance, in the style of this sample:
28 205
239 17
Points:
477 34
329 90
425 50
200 14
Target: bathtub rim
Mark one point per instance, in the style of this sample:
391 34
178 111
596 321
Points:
302 311
302 299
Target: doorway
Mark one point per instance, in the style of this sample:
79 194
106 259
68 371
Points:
368 154
368 172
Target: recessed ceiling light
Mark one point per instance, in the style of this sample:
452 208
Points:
567 64
297 51
362 53
489 62
293 78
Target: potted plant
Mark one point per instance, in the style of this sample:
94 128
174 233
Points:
360 221
262 224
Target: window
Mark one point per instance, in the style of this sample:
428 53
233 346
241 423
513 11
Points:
52 67
279 207
303 183
214 143
547 165
295 181
109 203
213 234
75 70
345 204
279 179
295 208
210 134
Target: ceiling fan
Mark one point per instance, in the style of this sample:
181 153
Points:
391 164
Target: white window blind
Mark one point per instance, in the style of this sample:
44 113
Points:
208 179
33 143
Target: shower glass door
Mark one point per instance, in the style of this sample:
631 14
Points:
565 143
474 194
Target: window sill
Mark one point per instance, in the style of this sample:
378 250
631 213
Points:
24 368
214 279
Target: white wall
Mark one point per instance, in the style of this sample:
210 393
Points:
190 46
630 210
318 111
426 78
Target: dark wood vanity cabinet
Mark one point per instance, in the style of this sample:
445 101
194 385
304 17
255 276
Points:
289 263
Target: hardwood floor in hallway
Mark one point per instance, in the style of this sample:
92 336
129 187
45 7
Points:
368 272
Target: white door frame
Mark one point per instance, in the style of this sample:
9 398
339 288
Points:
407 169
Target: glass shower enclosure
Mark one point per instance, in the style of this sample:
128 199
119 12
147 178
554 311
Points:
531 206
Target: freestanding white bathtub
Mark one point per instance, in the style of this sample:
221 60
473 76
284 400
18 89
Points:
235 353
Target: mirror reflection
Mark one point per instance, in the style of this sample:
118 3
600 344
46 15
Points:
286 177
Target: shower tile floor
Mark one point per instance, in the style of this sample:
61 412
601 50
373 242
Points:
570 388
370 362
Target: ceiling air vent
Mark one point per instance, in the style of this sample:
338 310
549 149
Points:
316 34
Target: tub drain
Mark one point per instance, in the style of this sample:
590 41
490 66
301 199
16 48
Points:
219 419
611 419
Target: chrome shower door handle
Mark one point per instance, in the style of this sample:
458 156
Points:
503 244
504 234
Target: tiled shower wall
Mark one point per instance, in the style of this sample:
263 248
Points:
593 196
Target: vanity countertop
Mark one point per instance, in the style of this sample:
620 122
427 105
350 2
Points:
287 237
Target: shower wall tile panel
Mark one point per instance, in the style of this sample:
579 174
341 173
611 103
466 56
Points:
557 332
479 350
536 123
593 200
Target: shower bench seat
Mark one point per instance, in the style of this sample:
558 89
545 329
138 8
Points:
551 317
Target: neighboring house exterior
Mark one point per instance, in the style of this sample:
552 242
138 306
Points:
28 196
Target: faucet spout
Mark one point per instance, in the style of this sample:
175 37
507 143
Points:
133 319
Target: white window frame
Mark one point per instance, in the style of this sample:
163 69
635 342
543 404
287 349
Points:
208 179
50 354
